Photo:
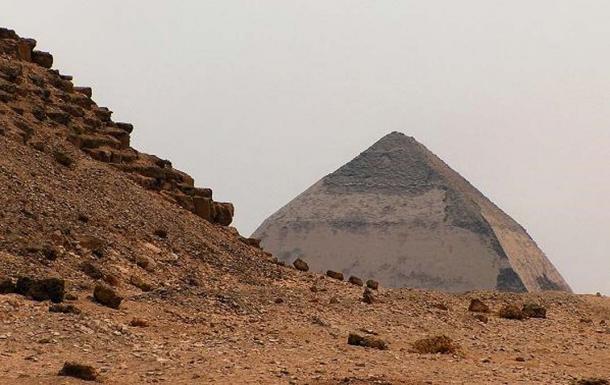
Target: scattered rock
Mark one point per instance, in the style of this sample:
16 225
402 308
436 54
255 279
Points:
279 300
107 296
335 275
161 233
366 341
440 306
139 323
477 306
511 312
482 318
520 359
80 371
533 310
300 265
334 300
254 242
145 262
435 345
91 242
91 270
41 289
71 297
63 158
372 284
111 279
64 308
355 281
140 283
51 252
368 296
591 381
7 286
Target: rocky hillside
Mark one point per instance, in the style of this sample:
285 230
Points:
110 274
398 214
43 108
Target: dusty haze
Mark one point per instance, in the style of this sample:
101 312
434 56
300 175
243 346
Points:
514 96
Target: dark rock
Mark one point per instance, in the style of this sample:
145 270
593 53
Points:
300 265
335 275
223 213
477 306
440 306
511 312
63 158
91 269
355 281
161 233
80 371
368 296
127 127
251 242
71 297
63 308
435 345
11 71
145 262
91 242
58 116
87 91
372 284
366 341
51 252
39 113
7 286
482 318
6 33
591 381
140 283
41 289
43 59
139 323
533 310
107 296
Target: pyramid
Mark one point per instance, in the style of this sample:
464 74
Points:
398 214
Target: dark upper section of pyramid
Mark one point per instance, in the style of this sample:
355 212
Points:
395 164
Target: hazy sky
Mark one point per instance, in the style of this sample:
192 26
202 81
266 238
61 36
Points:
259 99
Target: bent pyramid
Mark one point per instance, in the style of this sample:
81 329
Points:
400 215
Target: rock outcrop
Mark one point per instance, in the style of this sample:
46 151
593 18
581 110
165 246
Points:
400 215
32 92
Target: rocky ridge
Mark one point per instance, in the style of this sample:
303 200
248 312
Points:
33 96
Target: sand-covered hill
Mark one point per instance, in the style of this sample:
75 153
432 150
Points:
109 277
400 215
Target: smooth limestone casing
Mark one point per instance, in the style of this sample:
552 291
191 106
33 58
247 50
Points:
399 215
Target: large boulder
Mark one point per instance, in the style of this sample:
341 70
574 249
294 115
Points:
300 265
80 371
366 341
107 296
223 213
41 289
477 306
43 59
534 310
335 275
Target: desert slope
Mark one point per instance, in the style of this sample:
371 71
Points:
199 304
